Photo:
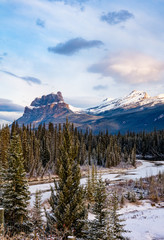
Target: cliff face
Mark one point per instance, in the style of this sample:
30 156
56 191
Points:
48 99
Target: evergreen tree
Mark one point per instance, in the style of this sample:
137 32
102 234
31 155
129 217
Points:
37 212
97 228
133 156
1 184
67 201
115 226
89 190
15 189
4 145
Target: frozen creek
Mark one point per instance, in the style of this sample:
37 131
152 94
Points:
145 170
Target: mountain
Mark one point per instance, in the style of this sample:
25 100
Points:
135 112
133 100
52 108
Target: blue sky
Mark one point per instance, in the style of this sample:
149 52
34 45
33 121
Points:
87 49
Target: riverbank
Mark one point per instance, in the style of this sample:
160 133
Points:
119 169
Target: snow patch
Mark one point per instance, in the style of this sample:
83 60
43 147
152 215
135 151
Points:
76 110
160 117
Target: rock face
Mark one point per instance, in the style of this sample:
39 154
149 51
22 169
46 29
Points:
134 112
45 100
52 108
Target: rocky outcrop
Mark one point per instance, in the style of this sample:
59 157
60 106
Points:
48 99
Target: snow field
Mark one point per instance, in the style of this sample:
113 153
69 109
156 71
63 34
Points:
144 221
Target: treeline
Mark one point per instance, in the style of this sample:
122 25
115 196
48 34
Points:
41 147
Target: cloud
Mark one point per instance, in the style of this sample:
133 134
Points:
83 101
40 23
70 2
9 117
8 106
132 68
74 45
31 80
100 87
28 79
114 18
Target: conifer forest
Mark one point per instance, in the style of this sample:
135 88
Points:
28 154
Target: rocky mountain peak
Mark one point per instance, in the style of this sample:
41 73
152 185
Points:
138 94
47 99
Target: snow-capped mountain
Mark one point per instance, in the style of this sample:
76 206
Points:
133 100
134 112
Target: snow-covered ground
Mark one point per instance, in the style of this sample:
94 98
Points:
145 170
144 221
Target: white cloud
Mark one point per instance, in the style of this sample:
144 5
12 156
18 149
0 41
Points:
9 117
130 67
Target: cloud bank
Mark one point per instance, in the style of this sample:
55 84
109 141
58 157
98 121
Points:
131 68
8 106
73 46
114 18
27 79
70 2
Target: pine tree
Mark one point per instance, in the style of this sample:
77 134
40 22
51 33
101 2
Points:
66 201
89 190
4 145
16 194
97 228
37 212
133 156
1 185
115 226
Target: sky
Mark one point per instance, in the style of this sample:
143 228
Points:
87 49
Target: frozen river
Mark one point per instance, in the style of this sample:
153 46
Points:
145 170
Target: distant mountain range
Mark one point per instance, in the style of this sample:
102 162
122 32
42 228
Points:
134 112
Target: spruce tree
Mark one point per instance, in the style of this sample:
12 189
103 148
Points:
4 145
15 188
97 228
89 189
115 223
67 201
37 212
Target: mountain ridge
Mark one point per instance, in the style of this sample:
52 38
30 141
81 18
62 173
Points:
134 99
134 112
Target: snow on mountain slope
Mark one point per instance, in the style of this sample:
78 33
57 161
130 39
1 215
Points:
76 110
134 99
